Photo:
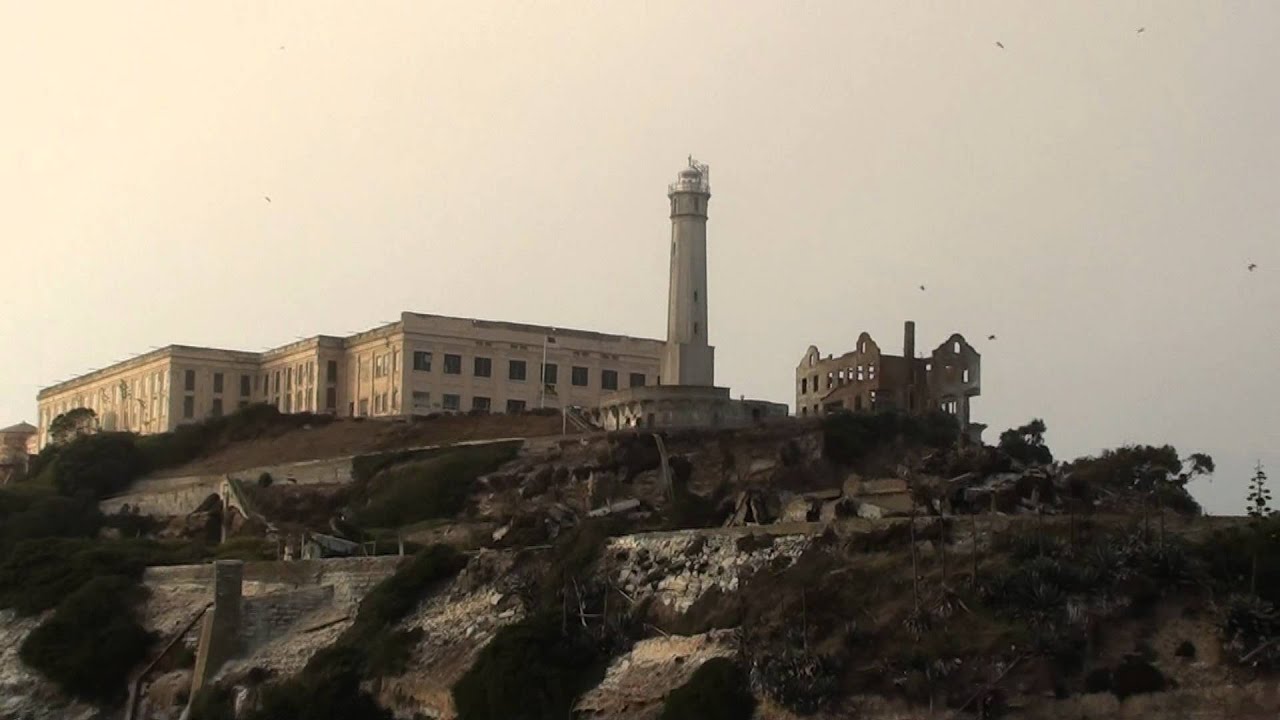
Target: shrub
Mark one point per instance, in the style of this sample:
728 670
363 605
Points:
98 465
92 641
848 438
531 670
1136 676
38 574
365 467
1026 444
716 691
438 487
32 516
1251 630
798 680
393 598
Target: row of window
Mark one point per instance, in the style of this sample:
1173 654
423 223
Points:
839 377
518 370
449 401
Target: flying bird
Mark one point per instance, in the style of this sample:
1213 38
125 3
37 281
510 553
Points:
1141 30
999 44
1253 266
922 287
267 198
991 337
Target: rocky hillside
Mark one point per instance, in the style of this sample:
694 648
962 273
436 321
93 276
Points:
864 566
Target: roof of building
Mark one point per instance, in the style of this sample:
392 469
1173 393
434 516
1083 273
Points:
22 427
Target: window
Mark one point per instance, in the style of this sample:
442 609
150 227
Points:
331 399
332 371
380 366
862 374
480 404
804 385
421 400
216 410
189 381
451 402
956 347
257 383
483 367
188 406
609 379
637 379
422 361
276 382
964 376
288 403
516 370
695 296
364 406
288 378
579 376
515 406
695 328
244 386
550 373
452 364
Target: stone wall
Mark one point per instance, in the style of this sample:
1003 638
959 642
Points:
181 495
265 617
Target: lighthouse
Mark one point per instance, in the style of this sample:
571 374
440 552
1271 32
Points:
689 358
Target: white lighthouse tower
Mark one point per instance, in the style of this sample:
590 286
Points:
690 359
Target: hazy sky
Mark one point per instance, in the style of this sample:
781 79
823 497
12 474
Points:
1089 194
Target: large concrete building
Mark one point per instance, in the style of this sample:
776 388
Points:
866 378
418 365
687 395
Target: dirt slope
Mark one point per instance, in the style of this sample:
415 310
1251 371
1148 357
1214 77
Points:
347 437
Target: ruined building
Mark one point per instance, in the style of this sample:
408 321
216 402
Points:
867 379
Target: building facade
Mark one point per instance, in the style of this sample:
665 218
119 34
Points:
16 446
867 379
419 365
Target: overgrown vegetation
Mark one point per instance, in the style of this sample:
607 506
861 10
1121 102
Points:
92 641
851 438
1026 443
329 687
717 690
532 670
423 490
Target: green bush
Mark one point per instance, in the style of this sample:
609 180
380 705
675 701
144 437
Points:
329 685
92 641
531 670
1230 552
390 600
98 465
37 515
365 467
716 691
1026 444
38 574
848 438
435 488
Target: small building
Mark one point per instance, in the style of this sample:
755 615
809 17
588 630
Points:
867 379
15 450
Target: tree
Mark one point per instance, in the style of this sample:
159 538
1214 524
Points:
1259 510
1026 443
72 424
98 464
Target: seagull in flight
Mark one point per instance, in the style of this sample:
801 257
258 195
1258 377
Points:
267 198
1141 30
1253 266
922 287
999 44
991 337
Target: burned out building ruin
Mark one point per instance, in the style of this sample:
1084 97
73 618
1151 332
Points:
867 379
